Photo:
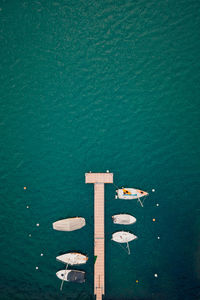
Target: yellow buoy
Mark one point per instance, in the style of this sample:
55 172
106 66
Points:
137 281
154 220
24 187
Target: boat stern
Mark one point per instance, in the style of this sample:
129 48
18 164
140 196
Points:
126 193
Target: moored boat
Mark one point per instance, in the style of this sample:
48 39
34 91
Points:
72 258
71 275
130 193
69 224
123 237
123 219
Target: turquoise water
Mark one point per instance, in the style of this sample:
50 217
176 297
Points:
97 85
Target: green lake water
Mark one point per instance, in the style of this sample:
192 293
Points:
96 86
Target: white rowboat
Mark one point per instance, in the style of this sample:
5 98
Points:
72 258
123 219
123 237
69 224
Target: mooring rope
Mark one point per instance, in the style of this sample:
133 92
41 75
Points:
115 185
123 248
63 278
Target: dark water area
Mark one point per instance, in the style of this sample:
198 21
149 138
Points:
99 86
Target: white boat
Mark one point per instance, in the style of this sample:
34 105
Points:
71 275
69 224
123 237
123 219
130 193
73 258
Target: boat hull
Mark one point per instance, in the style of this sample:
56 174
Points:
72 258
71 276
123 237
130 193
123 219
69 224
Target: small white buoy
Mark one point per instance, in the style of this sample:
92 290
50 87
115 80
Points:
155 275
116 197
27 206
153 190
157 204
41 254
36 268
29 235
37 224
107 171
158 237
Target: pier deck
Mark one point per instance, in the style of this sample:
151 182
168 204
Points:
99 179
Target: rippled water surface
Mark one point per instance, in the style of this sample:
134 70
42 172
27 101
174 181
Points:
97 85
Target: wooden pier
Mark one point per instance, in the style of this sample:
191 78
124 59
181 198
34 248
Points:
99 179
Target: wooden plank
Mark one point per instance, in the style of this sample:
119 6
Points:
99 244
99 239
99 178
